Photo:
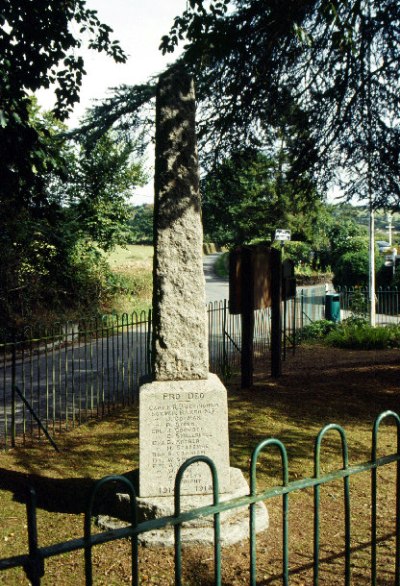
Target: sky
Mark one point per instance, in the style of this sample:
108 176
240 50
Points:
138 25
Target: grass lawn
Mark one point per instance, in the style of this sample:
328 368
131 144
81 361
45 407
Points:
319 386
131 255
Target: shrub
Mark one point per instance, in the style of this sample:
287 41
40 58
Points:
351 269
355 321
126 292
353 333
362 336
317 330
359 305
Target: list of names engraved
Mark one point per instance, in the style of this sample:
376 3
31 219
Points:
174 427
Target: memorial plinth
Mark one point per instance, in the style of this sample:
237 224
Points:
178 420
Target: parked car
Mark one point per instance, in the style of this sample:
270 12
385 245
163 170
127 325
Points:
384 246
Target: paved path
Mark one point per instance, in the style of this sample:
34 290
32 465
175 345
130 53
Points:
217 289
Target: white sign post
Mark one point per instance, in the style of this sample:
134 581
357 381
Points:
282 235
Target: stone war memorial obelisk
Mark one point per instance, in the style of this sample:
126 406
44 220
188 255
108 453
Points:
183 409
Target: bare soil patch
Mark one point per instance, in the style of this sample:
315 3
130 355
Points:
319 386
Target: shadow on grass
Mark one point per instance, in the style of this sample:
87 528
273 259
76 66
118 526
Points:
67 495
344 389
64 481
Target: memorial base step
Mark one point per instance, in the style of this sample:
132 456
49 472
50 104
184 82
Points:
234 522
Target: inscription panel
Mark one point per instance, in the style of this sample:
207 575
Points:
179 420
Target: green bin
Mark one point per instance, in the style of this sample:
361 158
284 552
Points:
332 307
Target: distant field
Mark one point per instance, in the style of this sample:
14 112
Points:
131 256
132 266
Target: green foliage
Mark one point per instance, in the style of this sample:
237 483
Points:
39 47
221 266
80 284
396 279
298 252
140 225
353 333
344 237
352 268
130 283
357 319
125 292
248 196
342 244
46 261
364 337
101 180
317 330
359 306
126 112
267 70
336 233
236 198
315 79
49 260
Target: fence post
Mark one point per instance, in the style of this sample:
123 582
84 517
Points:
302 309
284 328
149 342
294 325
276 324
224 349
13 384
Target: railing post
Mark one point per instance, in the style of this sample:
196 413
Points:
225 366
284 328
294 325
13 385
149 348
276 325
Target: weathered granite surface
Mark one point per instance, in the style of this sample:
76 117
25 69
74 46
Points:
178 420
234 522
180 345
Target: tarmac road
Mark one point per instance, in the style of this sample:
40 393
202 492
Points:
217 289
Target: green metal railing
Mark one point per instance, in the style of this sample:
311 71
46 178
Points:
34 561
387 303
65 374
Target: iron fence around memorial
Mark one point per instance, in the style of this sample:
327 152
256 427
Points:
342 525
56 378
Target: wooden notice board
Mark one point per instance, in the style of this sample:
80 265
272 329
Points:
249 277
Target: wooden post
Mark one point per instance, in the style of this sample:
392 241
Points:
276 319
247 366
